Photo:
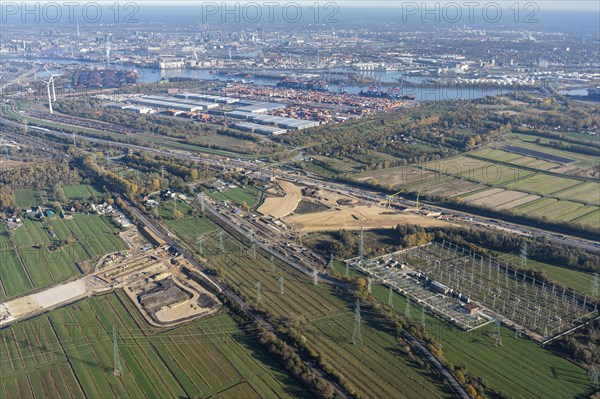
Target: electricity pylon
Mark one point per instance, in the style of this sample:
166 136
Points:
221 243
272 259
498 334
523 254
361 245
200 242
281 287
369 282
117 362
357 334
391 298
201 197
257 286
593 374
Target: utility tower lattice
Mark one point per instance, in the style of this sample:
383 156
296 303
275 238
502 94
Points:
315 276
221 244
201 198
595 284
253 250
281 287
498 334
593 374
369 283
331 266
200 242
361 245
347 269
117 362
523 254
272 259
423 315
391 298
407 308
257 286
357 334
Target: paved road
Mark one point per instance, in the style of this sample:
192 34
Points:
448 376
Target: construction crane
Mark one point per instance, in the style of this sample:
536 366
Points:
389 198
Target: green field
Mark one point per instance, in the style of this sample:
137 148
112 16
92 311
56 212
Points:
26 198
519 368
565 198
69 353
240 195
576 280
38 255
80 191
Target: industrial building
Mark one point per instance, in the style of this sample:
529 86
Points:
285 123
167 104
134 108
261 108
208 97
206 105
260 129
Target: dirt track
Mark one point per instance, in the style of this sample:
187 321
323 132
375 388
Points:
352 217
279 207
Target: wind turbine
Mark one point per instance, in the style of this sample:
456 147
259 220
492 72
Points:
48 83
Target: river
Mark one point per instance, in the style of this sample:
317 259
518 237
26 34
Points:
417 87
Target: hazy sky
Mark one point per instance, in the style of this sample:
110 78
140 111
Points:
544 5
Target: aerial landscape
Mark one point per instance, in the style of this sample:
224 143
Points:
300 200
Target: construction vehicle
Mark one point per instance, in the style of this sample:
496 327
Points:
389 198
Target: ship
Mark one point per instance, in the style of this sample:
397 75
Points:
390 94
300 84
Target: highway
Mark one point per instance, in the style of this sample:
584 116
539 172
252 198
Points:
365 194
